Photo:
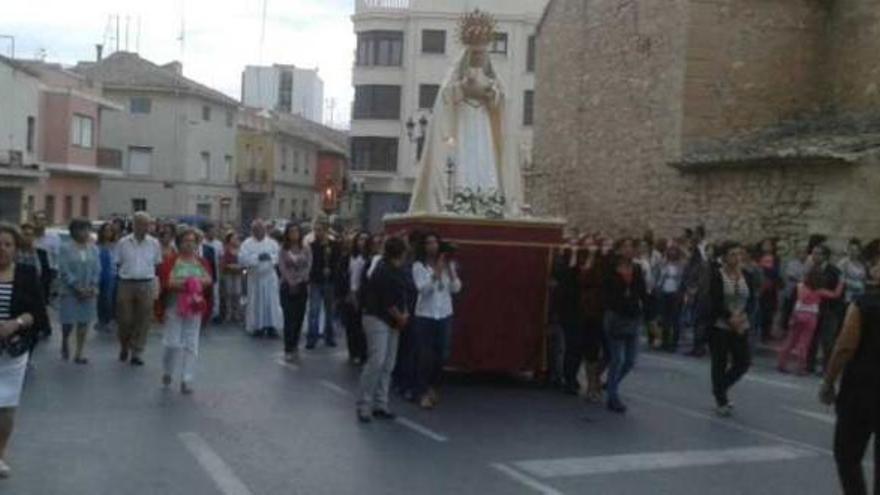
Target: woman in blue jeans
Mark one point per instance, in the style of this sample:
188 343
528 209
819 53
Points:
625 300
436 280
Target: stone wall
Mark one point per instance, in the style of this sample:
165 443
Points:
626 87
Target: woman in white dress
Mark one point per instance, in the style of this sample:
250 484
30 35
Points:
22 315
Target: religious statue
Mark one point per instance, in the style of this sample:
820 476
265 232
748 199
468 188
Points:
463 168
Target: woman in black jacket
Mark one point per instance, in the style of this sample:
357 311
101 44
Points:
626 298
22 315
732 299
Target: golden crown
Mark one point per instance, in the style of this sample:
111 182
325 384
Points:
476 28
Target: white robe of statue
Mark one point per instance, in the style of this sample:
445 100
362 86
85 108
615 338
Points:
263 298
468 131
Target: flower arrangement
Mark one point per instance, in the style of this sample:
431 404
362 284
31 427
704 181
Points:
477 202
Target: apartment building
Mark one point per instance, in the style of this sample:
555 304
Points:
174 141
285 89
404 50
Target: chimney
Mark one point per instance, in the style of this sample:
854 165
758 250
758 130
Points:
174 67
99 52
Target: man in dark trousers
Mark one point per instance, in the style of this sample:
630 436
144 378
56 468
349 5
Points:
830 311
325 263
857 357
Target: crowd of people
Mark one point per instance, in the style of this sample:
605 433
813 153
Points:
393 297
722 298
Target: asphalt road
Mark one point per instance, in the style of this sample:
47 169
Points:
258 426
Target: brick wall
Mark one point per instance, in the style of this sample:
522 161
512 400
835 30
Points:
625 86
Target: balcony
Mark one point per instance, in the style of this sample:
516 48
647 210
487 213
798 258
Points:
364 6
12 166
254 181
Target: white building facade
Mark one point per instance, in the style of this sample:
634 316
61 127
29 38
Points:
405 48
284 89
20 170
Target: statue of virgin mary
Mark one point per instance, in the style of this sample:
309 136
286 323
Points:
463 168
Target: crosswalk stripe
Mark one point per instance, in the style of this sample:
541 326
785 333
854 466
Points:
586 466
825 418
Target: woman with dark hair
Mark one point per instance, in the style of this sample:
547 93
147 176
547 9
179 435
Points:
771 281
22 316
294 263
670 296
626 298
853 271
436 280
79 273
856 361
185 279
588 346
231 275
732 298
805 318
352 310
107 237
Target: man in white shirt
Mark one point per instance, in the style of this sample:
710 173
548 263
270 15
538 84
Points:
138 255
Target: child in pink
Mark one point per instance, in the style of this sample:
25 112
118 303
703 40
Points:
805 319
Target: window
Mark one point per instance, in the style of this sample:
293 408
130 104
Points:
374 154
50 209
140 160
307 163
227 167
203 210
206 113
140 104
530 54
230 118
281 207
499 44
68 208
31 133
381 48
204 165
529 108
225 212
428 95
377 102
138 204
285 91
81 131
433 41
29 206
284 152
84 206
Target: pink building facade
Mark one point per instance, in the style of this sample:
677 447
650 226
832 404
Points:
70 108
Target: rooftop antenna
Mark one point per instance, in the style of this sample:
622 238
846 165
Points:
117 32
137 38
263 30
127 26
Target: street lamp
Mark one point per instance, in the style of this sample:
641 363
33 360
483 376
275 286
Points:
417 136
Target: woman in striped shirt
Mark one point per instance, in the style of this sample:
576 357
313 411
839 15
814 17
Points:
22 314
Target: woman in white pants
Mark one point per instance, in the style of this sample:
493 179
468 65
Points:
183 308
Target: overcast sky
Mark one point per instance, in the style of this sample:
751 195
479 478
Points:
222 36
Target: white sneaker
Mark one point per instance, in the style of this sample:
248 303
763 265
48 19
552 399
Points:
5 470
724 411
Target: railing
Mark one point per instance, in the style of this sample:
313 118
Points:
109 158
372 5
254 181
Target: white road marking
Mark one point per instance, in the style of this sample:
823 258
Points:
412 425
749 377
335 388
220 472
525 480
728 423
773 383
825 418
587 466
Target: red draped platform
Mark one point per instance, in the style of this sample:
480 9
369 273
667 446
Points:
501 315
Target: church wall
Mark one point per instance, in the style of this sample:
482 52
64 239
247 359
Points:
624 86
